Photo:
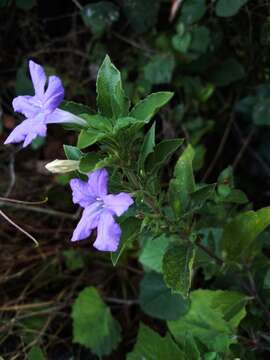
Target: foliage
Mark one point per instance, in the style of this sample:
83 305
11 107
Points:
196 246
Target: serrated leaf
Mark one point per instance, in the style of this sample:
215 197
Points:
93 325
157 300
240 234
178 268
210 319
149 106
111 99
227 8
153 252
151 346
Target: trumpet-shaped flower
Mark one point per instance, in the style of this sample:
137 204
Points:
40 109
100 208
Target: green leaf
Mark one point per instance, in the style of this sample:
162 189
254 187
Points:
89 137
182 42
183 183
100 15
160 69
212 318
162 153
89 162
157 300
261 112
149 106
200 40
111 99
142 15
147 146
192 11
35 354
151 346
227 8
227 73
72 152
75 108
178 267
130 229
153 252
190 347
93 325
240 234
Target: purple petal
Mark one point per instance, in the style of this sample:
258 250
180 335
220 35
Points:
38 77
26 132
80 193
54 94
119 203
98 183
59 116
108 233
25 106
88 222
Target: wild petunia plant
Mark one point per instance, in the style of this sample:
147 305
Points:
181 229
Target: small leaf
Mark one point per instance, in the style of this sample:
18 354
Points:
111 99
160 69
130 229
72 152
35 354
89 137
192 11
147 146
157 300
88 162
75 108
178 268
227 8
151 346
100 15
93 325
162 153
149 106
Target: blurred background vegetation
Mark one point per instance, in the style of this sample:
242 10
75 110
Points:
214 55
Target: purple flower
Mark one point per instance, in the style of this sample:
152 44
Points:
40 109
99 210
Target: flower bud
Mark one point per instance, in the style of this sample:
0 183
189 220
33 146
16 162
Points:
62 166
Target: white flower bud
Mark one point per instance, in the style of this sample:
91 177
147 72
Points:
62 166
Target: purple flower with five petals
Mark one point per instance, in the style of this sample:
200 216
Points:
100 208
40 109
